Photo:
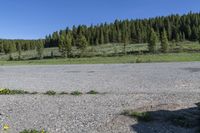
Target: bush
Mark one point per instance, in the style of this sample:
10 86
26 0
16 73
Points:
76 93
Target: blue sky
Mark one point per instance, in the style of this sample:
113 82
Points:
32 19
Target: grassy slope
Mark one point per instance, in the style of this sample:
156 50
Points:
106 50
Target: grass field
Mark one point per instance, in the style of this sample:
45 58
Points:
110 54
171 57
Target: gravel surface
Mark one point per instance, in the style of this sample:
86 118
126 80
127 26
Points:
128 86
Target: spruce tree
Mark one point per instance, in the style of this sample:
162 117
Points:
164 42
152 46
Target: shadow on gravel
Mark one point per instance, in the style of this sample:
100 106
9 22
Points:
163 121
192 70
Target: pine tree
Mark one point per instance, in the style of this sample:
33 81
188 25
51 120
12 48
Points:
194 34
199 37
81 43
19 49
164 42
126 41
101 36
40 49
188 32
1 47
65 45
183 36
61 45
152 46
106 38
68 45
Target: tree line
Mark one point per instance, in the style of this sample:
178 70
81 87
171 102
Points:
178 28
10 46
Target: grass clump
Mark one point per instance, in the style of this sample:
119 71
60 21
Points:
138 60
140 116
76 93
51 93
33 93
33 131
63 93
93 92
12 92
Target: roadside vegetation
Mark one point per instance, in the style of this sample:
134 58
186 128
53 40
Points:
106 55
93 92
33 131
140 116
49 93
12 92
76 93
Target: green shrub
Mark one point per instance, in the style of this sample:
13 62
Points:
76 93
140 116
19 92
138 60
33 131
93 92
52 93
12 92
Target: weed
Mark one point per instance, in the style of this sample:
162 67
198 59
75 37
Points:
76 93
12 92
63 93
93 92
51 93
33 131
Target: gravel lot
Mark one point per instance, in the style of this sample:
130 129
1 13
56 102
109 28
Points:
128 86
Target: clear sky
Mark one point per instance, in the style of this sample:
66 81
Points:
32 19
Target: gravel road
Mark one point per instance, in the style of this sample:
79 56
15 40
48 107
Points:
128 86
